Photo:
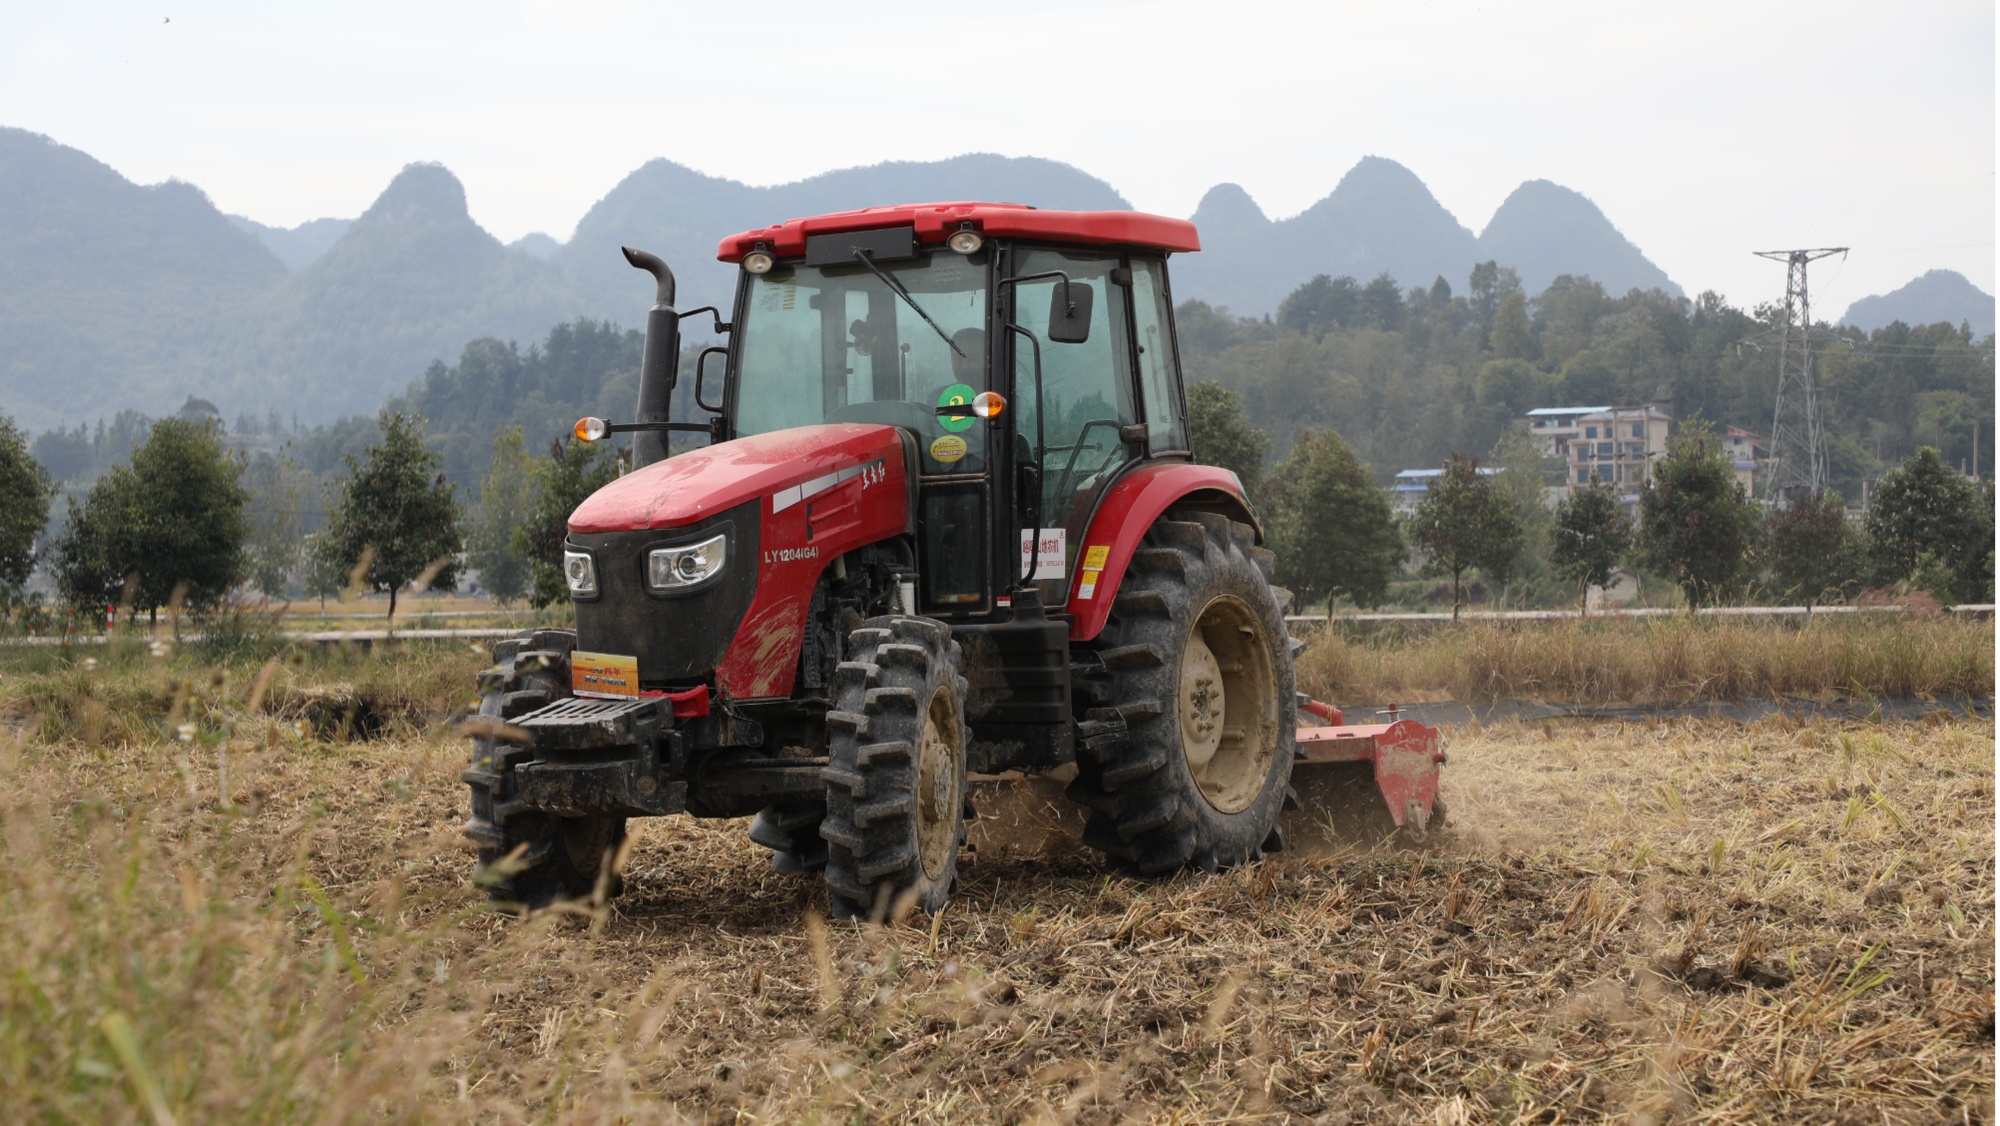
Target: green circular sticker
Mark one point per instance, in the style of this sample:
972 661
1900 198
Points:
956 395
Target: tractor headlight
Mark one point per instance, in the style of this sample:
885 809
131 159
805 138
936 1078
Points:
759 261
581 571
678 568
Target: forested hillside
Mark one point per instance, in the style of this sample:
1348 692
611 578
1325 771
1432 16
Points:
1382 219
1940 295
1545 230
117 297
1409 376
112 295
412 280
588 367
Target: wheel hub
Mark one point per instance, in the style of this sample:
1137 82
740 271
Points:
1228 704
1202 704
937 794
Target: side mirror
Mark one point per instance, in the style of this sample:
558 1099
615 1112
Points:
1069 312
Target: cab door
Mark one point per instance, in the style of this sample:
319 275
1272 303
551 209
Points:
1076 431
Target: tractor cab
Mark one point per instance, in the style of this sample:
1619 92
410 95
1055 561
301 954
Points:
946 522
907 315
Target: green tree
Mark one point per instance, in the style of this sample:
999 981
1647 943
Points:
1524 476
397 505
1925 507
1382 303
1511 339
572 471
25 490
1507 387
1489 286
323 575
1330 526
1696 526
1322 303
1586 380
1590 537
173 519
506 498
1221 435
1812 550
1464 522
275 547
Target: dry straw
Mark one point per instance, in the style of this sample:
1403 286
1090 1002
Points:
1654 660
1689 922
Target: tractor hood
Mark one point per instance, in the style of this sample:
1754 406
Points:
788 465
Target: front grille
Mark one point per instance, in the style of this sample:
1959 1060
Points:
581 724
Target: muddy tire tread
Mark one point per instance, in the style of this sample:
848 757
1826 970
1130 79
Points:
1146 814
873 735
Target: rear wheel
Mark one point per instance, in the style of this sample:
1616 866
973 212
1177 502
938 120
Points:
895 780
560 857
1198 666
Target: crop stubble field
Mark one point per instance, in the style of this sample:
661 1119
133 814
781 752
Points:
1647 923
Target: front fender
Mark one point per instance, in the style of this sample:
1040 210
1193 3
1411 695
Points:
1128 509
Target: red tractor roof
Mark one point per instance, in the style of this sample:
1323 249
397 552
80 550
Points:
935 222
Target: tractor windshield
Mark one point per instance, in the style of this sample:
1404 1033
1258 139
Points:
840 344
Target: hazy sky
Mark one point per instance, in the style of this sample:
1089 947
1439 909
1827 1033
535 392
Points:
1704 130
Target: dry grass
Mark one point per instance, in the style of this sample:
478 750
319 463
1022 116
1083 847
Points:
1657 659
1637 923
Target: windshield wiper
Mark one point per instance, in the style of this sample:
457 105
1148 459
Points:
862 257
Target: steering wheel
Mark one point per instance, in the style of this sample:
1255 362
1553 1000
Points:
1069 470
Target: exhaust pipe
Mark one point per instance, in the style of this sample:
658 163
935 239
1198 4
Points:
661 363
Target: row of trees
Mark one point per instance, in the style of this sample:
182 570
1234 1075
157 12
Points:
175 525
1926 527
1409 375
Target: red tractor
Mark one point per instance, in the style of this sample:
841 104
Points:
945 522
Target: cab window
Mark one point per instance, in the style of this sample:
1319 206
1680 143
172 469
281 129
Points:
1159 375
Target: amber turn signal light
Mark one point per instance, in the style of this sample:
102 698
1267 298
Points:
989 404
590 429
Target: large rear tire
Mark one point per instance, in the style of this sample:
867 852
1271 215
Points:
1198 664
895 779
563 857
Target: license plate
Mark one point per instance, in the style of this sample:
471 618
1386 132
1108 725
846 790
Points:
605 676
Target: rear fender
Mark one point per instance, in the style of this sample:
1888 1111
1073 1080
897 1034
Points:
1129 508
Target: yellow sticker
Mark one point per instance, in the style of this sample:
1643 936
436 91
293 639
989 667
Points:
948 449
1094 558
1086 585
604 675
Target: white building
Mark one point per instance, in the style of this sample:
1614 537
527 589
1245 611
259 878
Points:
1619 445
1553 428
1746 453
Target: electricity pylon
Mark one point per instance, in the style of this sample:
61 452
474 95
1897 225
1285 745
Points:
1798 445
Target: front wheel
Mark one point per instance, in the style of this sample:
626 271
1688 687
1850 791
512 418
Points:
895 777
1198 666
530 857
